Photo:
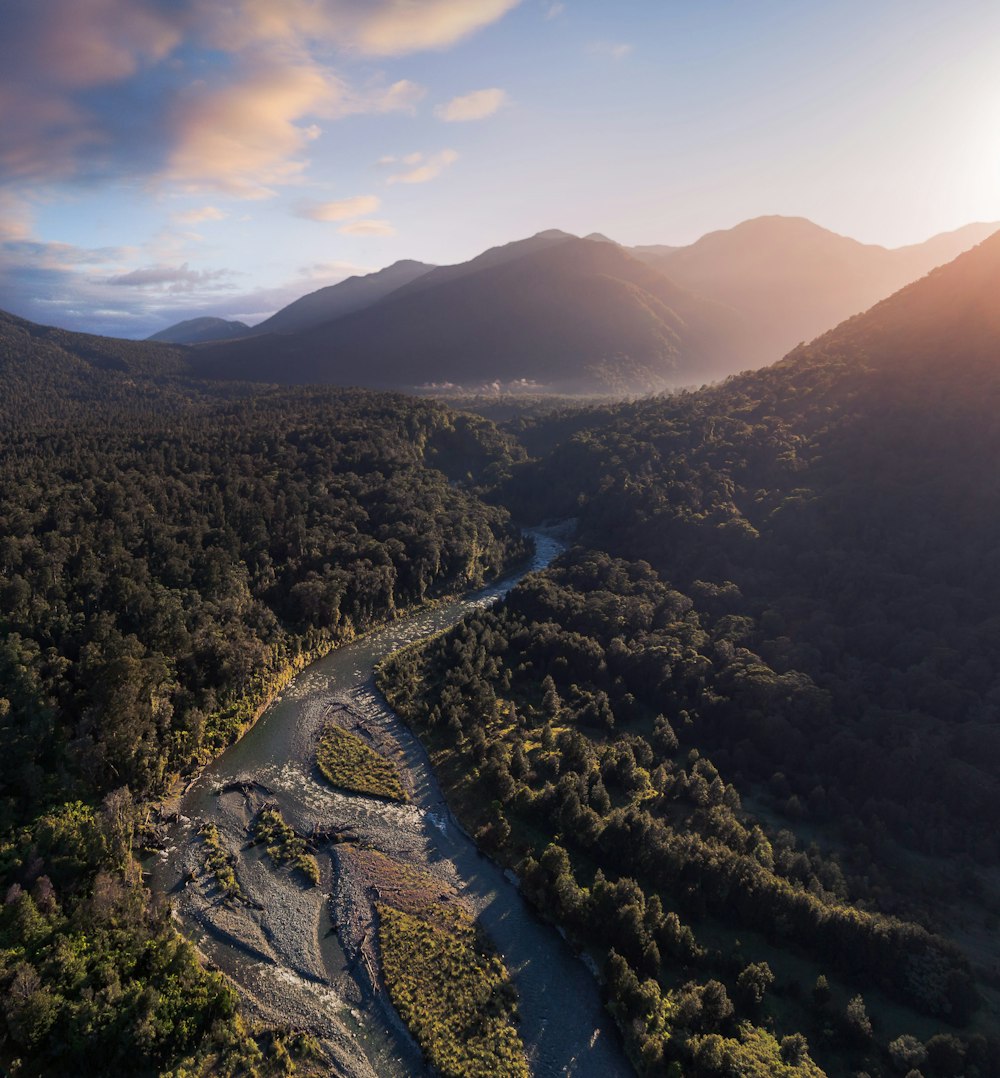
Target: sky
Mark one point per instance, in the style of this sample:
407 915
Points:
165 159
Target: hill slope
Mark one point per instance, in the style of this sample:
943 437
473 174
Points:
794 280
345 297
850 494
572 315
199 330
48 370
764 699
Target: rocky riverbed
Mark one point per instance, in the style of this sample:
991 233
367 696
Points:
304 955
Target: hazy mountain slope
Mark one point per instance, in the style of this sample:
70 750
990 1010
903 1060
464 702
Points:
345 297
949 322
573 315
794 280
493 256
199 330
840 513
851 492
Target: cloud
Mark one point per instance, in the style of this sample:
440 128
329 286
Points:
172 279
368 228
396 27
425 167
401 96
553 11
617 50
61 256
245 137
64 285
53 55
15 218
341 210
474 106
195 217
117 89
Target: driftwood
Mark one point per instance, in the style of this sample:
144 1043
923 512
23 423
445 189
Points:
332 835
247 787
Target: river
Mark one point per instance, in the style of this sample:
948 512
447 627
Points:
293 951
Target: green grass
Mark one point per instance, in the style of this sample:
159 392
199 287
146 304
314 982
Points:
221 864
348 763
456 998
284 846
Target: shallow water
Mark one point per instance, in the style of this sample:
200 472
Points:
562 1023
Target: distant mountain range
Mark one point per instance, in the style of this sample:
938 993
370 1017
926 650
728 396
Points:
556 313
793 280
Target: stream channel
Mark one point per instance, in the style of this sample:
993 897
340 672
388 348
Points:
300 955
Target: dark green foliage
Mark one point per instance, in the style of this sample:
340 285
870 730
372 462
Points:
158 576
167 560
96 979
611 675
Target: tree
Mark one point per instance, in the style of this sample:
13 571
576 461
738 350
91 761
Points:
752 984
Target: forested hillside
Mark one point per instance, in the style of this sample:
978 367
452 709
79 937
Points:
778 713
160 576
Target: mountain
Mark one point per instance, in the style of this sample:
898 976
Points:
794 280
199 330
565 314
830 525
345 297
946 325
779 620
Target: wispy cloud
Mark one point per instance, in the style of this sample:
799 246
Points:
15 218
244 138
341 210
172 279
423 167
473 106
616 50
368 228
197 216
554 10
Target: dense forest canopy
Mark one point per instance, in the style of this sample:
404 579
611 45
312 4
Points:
162 570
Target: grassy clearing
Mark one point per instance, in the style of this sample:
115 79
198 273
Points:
284 846
456 997
221 864
348 763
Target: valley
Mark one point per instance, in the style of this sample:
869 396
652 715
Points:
279 944
733 734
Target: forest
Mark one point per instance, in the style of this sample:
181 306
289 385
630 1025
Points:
747 732
163 570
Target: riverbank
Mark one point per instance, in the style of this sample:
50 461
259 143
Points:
283 956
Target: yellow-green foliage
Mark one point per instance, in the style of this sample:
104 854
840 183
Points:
284 846
457 1000
346 761
221 863
755 1054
